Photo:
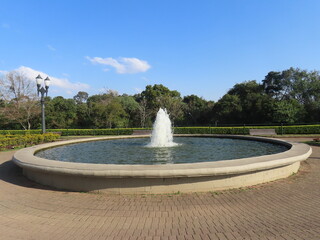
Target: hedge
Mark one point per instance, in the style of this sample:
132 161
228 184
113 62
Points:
13 141
74 132
302 129
212 130
298 129
20 132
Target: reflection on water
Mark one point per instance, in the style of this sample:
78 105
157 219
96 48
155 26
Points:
163 155
134 151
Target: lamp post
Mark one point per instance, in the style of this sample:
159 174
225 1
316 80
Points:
43 90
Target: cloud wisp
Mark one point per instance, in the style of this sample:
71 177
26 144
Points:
62 83
122 65
51 48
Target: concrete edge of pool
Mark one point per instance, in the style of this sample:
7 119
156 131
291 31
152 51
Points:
168 178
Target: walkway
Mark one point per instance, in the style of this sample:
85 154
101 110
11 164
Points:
284 209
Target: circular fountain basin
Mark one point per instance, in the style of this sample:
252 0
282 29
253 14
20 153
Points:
182 150
161 178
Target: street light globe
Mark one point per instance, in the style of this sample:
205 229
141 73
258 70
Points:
47 82
39 79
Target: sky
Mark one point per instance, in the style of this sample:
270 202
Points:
199 47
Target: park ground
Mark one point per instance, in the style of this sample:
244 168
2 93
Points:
284 209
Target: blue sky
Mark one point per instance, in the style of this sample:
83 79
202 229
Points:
196 47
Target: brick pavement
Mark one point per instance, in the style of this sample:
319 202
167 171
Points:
284 209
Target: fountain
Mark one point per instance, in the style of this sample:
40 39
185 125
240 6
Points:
187 168
162 135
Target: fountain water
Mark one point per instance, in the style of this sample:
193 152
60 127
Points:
162 135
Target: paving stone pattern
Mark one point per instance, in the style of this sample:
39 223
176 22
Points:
284 209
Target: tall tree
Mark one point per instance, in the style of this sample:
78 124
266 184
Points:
20 103
254 102
131 107
227 110
298 85
159 96
61 112
81 97
196 110
106 110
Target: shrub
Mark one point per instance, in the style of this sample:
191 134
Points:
212 130
81 132
73 132
299 129
14 141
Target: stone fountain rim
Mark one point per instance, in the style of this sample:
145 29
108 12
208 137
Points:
297 152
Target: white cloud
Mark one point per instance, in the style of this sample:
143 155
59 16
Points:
122 65
51 48
62 83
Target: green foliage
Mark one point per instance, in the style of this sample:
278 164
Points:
60 112
228 109
286 111
159 96
81 97
212 130
93 132
289 97
196 110
13 141
244 103
20 132
302 129
73 132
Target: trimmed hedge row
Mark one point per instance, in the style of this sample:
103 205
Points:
298 129
303 129
20 132
13 141
79 132
212 130
73 132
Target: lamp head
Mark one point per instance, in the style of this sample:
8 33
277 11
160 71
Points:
47 82
39 80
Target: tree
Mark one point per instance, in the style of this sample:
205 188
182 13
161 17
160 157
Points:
81 97
255 103
159 96
20 103
144 113
131 107
286 111
196 110
106 110
227 109
297 85
109 114
61 112
293 83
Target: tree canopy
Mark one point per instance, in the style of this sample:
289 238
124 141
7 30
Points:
289 96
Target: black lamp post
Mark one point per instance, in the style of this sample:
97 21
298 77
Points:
43 90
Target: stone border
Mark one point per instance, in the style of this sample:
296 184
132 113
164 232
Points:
191 177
